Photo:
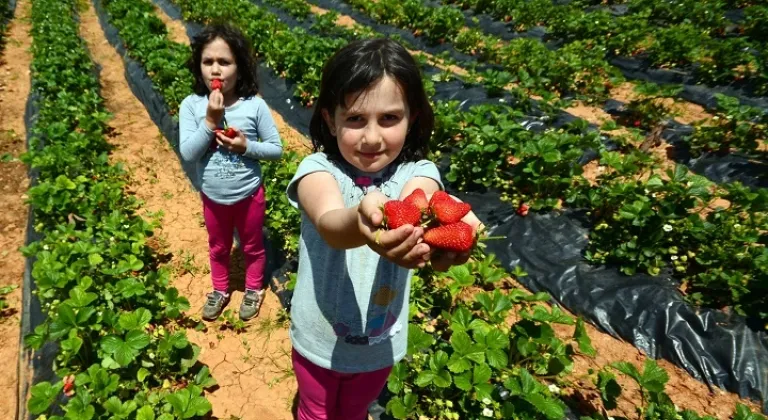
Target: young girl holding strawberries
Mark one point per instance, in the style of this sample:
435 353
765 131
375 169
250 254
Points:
226 130
349 316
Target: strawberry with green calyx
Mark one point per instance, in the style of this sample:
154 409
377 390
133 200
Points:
448 211
399 213
227 131
419 199
456 237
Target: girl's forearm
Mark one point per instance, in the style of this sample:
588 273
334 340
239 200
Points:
263 150
340 228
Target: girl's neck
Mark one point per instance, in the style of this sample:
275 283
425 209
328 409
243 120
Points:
230 99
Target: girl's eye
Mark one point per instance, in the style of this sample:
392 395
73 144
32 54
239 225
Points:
354 118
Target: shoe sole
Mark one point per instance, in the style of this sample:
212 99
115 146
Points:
251 317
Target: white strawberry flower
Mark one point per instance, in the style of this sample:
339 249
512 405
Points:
667 227
554 389
487 412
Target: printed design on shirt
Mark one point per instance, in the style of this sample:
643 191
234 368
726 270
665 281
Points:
380 327
227 164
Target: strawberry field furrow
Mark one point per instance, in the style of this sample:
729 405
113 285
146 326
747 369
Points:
107 304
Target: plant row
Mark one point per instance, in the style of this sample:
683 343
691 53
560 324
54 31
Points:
575 70
734 128
480 350
646 218
463 352
108 306
689 34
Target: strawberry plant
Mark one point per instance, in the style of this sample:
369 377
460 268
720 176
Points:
283 220
468 363
645 224
734 127
146 38
729 265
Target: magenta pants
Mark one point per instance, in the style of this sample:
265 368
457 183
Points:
247 215
328 395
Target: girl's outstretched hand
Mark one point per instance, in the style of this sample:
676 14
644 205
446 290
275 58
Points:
236 143
401 246
215 111
443 260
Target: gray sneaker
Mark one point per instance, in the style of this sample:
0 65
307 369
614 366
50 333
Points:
252 301
213 306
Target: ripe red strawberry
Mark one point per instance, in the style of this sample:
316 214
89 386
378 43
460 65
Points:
455 237
69 385
522 209
439 196
449 211
637 123
419 199
230 132
398 213
215 84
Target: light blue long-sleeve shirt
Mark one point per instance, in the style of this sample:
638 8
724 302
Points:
227 177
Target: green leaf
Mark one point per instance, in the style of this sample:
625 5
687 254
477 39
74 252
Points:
497 358
529 384
204 379
418 340
72 344
442 379
628 369
458 363
547 406
460 319
438 360
744 413
424 378
461 342
145 413
402 408
125 351
654 377
43 395
67 315
80 298
610 390
463 381
582 338
187 405
481 374
135 320
142 374
95 259
79 406
496 339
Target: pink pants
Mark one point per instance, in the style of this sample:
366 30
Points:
328 395
247 216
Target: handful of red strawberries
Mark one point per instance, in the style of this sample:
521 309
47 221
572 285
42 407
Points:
440 216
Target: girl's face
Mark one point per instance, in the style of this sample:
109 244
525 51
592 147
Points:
371 132
218 62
